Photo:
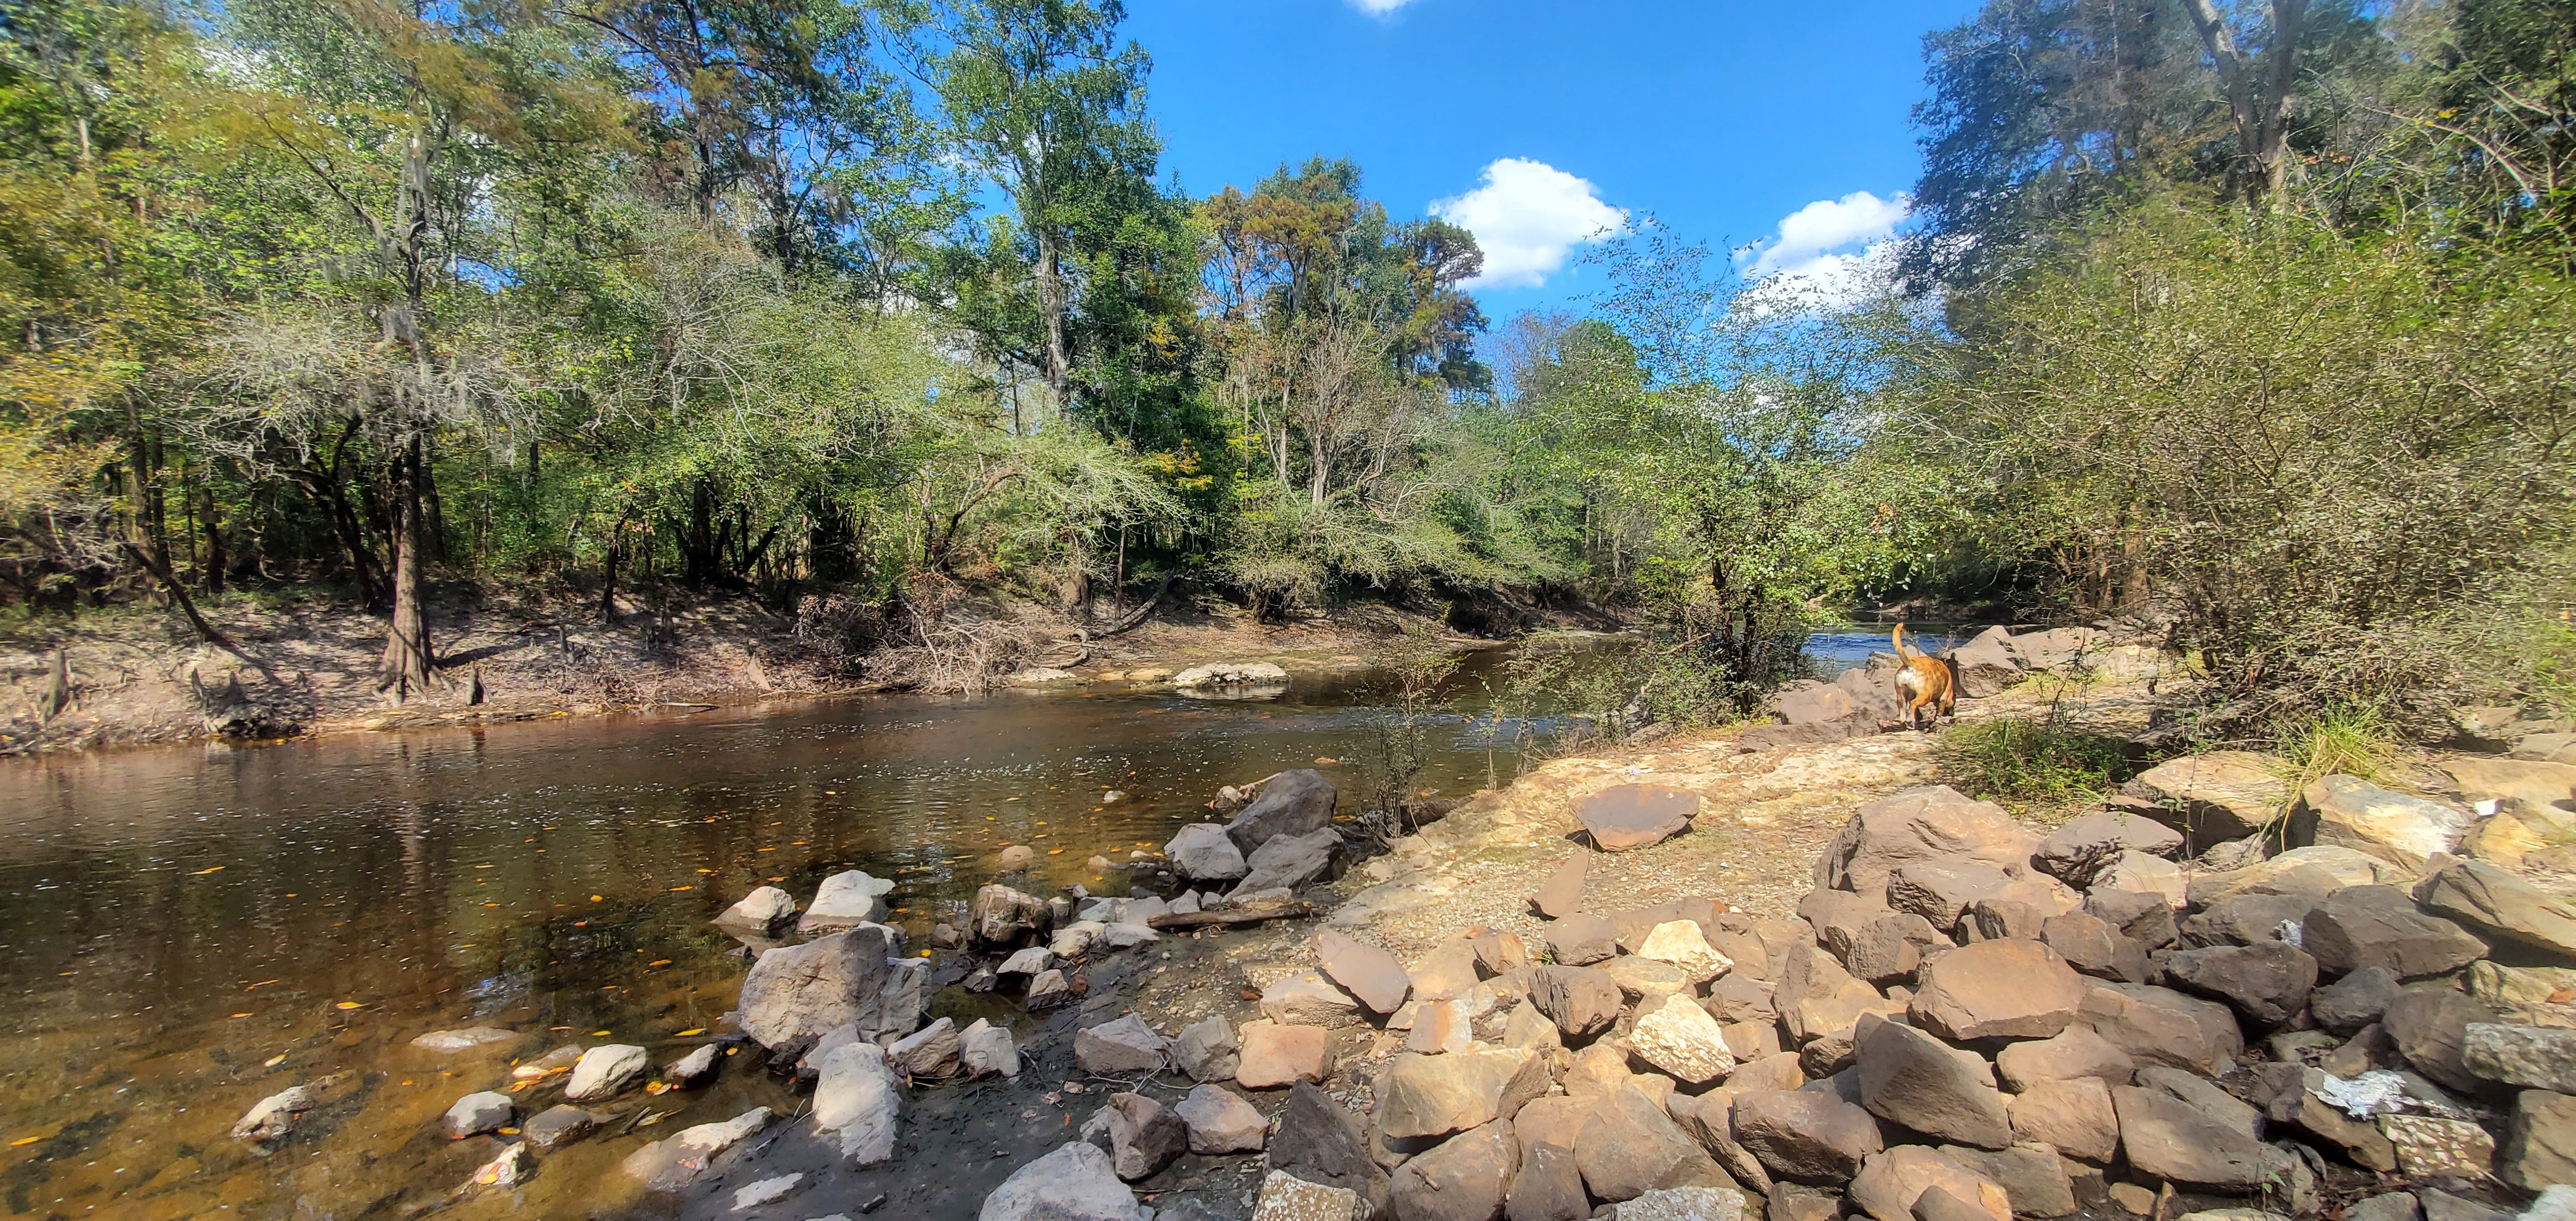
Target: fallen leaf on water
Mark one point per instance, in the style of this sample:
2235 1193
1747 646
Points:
657 1087
654 1118
203 872
777 879
24 1141
681 888
659 962
1055 852
694 1030
241 1015
274 1061
706 871
348 1005
599 1034
261 984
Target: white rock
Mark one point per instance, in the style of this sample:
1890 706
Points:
846 899
986 1048
1230 674
1074 1183
859 1099
1029 961
1677 1036
766 1191
450 1041
507 1169
763 909
602 1071
1128 936
1680 943
1285 1197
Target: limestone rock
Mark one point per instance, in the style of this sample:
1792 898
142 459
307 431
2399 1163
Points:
1624 817
1206 1049
1285 1197
859 1099
2354 813
1466 1178
2379 926
2502 906
1910 1078
801 991
1999 989
1805 1136
1683 1204
602 1071
1919 825
1365 971
1074 1183
2073 1115
845 900
1295 802
1144 1136
1681 943
1121 1047
1434 1096
1203 852
1627 1147
1676 1035
987 1050
1275 1055
2268 982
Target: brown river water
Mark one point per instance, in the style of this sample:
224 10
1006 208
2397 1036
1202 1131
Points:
187 930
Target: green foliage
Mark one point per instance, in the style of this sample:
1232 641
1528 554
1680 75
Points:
2345 741
2030 765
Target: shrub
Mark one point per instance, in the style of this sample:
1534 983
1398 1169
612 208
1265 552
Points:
2031 764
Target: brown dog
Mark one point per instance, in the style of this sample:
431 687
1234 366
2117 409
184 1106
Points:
1924 682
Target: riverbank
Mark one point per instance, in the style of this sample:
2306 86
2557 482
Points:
304 664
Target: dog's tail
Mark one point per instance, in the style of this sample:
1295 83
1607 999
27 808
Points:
1897 638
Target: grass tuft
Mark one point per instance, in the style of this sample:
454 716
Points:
2031 765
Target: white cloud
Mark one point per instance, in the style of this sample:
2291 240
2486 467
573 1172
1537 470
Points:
1526 217
1379 8
1810 263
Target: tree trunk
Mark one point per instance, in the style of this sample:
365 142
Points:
408 661
216 560
1052 304
1077 575
2260 108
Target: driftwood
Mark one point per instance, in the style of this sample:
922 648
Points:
1129 621
1180 921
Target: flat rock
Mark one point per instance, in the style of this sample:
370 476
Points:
1433 1096
672 1165
1889 1183
1910 1078
799 992
1376 977
1580 1000
844 900
1624 817
2073 1116
2075 852
2033 1177
1276 1055
1941 890
478 1113
1805 1136
2010 989
858 1100
2080 1051
2354 813
1203 852
1467 1178
1561 895
2145 873
2317 870
2379 926
2222 795
1677 1036
475 1038
766 1191
2089 944
1447 971
1029 961
1073 1183
1119 1048
558 1125
2166 1137
1295 802
1627 1147
1047 989
2153 1025
1919 825
2527 1057
2203 1096
1307 998
1144 1136
2502 906
1207 1050
2267 982
602 1071
1581 940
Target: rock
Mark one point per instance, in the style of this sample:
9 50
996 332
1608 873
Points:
1919 825
2200 1095
1465 1179
1889 948
694 1069
845 900
2143 916
2246 919
2268 982
1499 954
799 992
1817 999
1047 990
1029 961
1808 702
510 1167
1708 1119
602 1071
2082 848
2222 795
1440 1026
2317 870
1015 858
1319 1142
2540 1143
2032 1176
476 1114
1276 1055
2378 926
671 1165
1795 1203
1447 971
2073 1116
1889 1183
2168 1138
1203 852
1074 940
2154 1025
2529 1057
2355 1001
1128 936
1287 862
2443 1206
987 1050
859 1099
1629 816
1296 802
1433 1096
2140 873
1985 666
557 1126
1736 997
1910 1078
1580 940
2390 1206
2429 1146
1121 1047
2089 944
1683 1204
1779 1071
1804 1136
766 1191
1365 971
1998 989
2078 1052
1681 943
1580 1000
1220 1121
932 1051
2289 1094
1941 890
2533 785
450 1042
2430 1024
1285 1197
1561 895
1001 916
1643 978
2351 812
763 912
1307 998
1676 1035
1206 1049
1838 916
2503 907
1527 1027
1627 1147
1548 1186
1225 675
1144 1136
1074 1183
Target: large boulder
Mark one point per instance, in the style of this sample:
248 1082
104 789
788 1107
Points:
1001 917
2010 989
1919 825
1203 852
2073 1116
2173 1140
2075 852
1628 816
1296 802
800 992
2317 870
2502 906
2153 1025
1376 977
1627 1147
859 1100
845 900
1319 1142
1986 665
2354 813
2267 982
1466 1179
1288 862
2379 926
1942 890
1908 1077
1805 1136
1074 1183
2223 795
2430 1024
1808 702
1433 1096
2534 788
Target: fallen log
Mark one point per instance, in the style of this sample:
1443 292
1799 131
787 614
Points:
1180 921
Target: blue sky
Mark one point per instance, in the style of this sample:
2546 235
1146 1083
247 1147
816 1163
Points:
1533 123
